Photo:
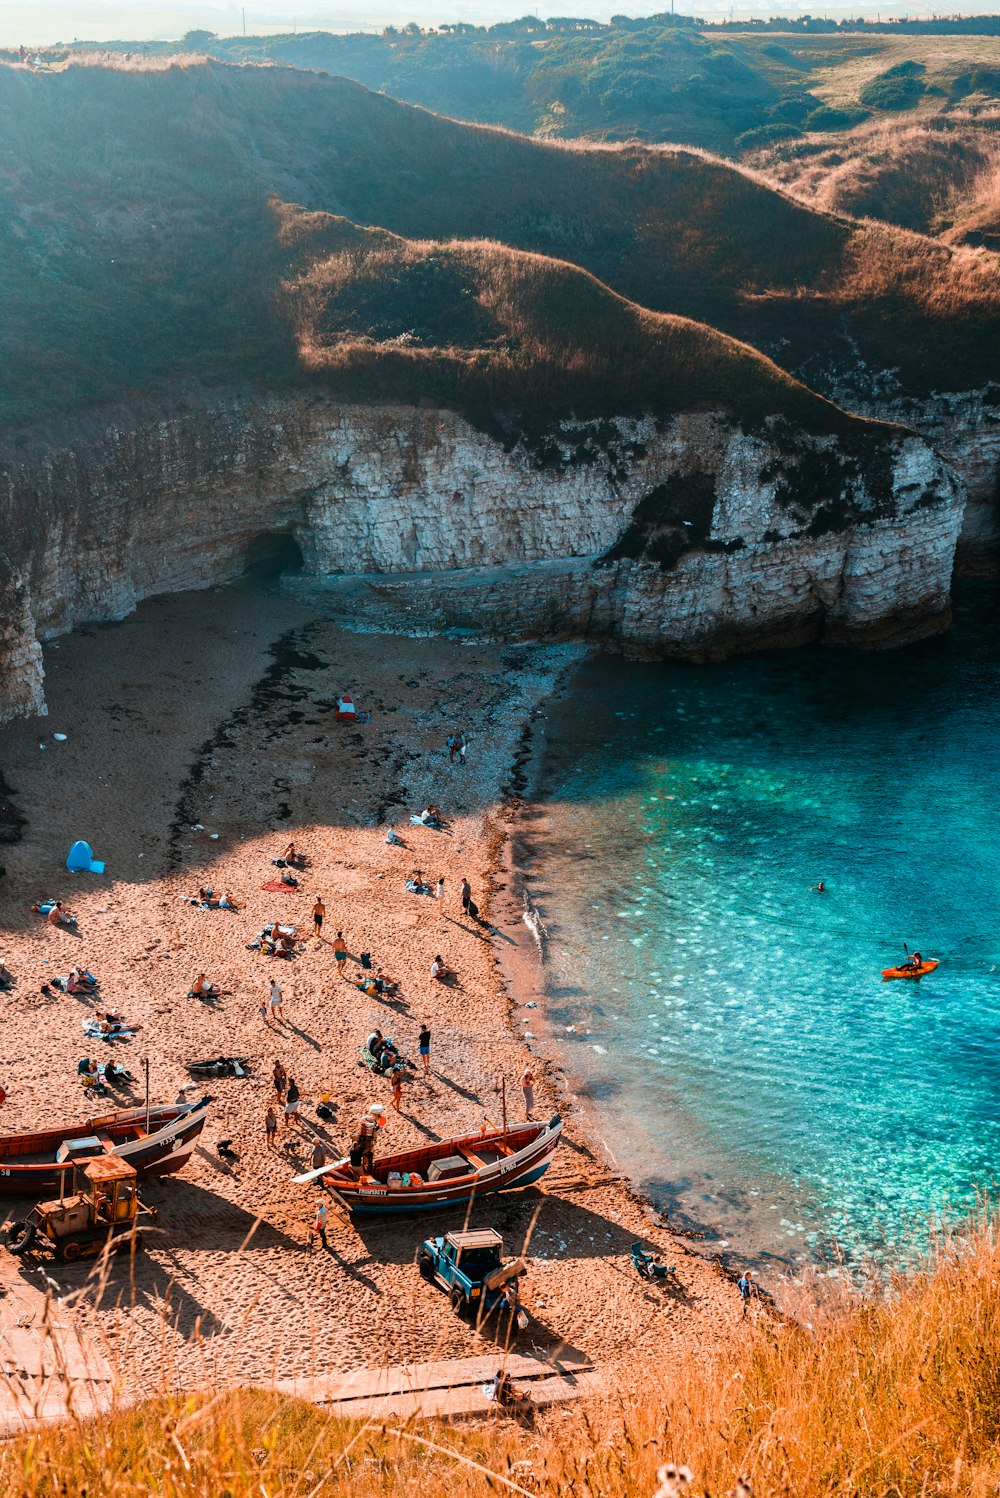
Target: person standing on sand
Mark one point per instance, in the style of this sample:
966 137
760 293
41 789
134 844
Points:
340 952
275 1000
319 911
319 1224
292 1104
528 1092
439 894
424 1046
271 1127
466 894
397 1088
280 1080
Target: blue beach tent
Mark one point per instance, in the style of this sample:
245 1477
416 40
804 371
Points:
81 860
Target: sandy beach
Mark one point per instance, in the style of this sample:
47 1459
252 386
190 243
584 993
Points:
216 711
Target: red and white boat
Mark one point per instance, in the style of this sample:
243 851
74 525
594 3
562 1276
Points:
157 1143
446 1174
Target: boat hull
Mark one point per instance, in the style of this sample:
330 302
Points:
523 1167
174 1132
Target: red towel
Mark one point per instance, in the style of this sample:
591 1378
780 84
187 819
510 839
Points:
278 886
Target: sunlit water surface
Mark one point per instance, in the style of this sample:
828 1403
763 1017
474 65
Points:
748 1066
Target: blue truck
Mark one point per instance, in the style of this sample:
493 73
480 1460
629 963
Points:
471 1268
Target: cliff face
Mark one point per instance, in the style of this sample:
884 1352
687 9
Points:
689 537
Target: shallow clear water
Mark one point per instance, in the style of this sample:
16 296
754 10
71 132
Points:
747 1064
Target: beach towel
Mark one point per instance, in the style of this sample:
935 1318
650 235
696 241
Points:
279 887
94 1032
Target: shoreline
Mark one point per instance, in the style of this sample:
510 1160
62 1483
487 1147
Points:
216 708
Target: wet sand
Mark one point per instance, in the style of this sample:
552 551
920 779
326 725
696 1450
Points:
218 709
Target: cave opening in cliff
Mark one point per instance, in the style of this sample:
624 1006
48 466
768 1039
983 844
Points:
272 553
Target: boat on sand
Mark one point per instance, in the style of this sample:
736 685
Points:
445 1174
155 1143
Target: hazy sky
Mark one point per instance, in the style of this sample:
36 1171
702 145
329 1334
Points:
40 22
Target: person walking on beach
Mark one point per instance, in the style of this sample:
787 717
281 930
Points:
293 1103
275 1000
748 1290
319 911
271 1127
280 1080
466 894
451 744
424 1047
439 894
397 1088
528 1092
463 744
319 1224
340 952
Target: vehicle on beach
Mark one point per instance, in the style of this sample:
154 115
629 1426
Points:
102 1212
470 1266
445 1174
155 1142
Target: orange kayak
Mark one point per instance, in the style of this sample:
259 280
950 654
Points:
927 966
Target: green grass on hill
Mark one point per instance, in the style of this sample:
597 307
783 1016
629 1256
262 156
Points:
661 78
137 244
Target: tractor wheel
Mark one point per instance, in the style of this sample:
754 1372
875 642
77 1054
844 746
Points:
426 1266
457 1301
21 1235
71 1251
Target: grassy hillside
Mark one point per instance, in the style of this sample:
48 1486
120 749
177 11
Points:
898 1395
939 178
660 79
488 330
137 242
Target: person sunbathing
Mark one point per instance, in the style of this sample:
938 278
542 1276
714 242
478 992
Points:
202 989
430 816
293 857
60 916
80 981
441 971
385 984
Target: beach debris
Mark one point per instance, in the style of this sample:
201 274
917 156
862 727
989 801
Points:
531 1004
535 924
197 827
213 835
59 737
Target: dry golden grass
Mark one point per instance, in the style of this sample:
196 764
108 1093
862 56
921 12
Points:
897 1393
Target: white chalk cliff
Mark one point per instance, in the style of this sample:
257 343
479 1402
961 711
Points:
688 537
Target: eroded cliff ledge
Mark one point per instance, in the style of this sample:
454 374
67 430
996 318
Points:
681 537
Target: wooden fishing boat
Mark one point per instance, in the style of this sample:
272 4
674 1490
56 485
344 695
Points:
445 1174
156 1144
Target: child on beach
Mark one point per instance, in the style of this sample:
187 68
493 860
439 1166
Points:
397 1088
271 1126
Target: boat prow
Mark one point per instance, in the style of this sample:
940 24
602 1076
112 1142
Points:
449 1173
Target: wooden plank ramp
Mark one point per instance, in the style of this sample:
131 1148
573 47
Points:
407 1391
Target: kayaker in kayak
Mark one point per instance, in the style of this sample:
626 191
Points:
915 961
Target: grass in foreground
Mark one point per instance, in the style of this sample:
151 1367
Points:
897 1395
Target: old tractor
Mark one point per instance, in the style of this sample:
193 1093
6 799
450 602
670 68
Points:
103 1213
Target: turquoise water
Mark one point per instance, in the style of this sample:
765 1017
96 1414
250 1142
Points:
747 1065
